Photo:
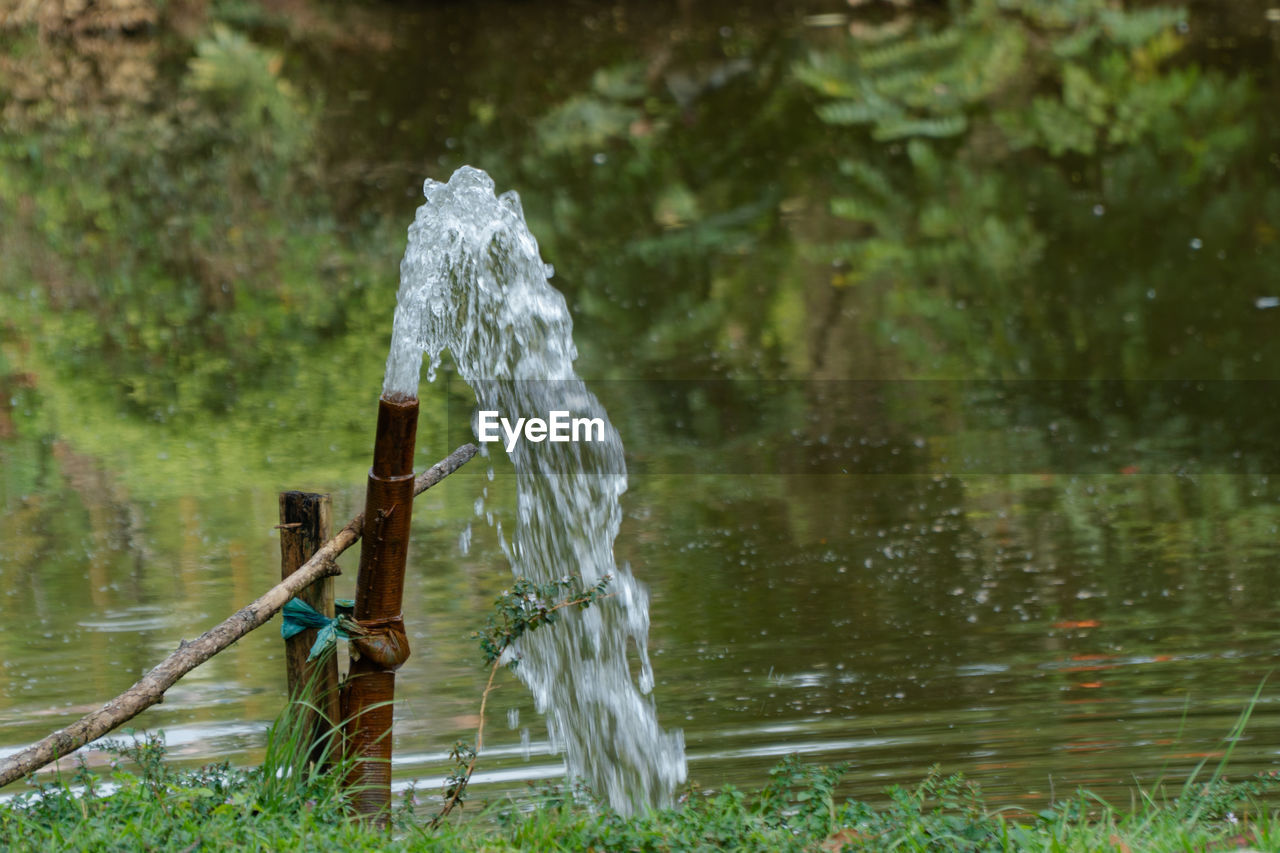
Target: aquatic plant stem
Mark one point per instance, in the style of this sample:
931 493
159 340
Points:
150 689
460 786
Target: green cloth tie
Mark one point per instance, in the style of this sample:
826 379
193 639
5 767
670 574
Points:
299 616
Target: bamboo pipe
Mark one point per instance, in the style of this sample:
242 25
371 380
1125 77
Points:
379 589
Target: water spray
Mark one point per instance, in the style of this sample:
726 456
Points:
472 281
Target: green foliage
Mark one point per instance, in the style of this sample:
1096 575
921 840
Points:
175 248
591 120
929 82
1220 797
146 804
798 811
954 226
463 756
1013 112
528 606
242 82
189 260
179 276
920 84
802 797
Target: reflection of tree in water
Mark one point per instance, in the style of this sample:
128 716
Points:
994 199
958 194
99 581
1018 235
905 580
85 56
173 226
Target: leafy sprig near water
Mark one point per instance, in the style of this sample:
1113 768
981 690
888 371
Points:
528 606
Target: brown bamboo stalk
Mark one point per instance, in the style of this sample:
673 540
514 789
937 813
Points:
370 689
151 687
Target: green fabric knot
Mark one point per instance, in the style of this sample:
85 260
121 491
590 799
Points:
299 616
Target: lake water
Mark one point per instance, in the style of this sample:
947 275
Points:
942 450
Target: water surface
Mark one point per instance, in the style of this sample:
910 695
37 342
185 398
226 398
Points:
1013 569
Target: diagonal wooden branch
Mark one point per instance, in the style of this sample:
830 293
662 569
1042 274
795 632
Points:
151 687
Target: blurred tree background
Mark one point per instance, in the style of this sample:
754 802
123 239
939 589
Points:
204 201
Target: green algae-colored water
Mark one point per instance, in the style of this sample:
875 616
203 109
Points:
942 346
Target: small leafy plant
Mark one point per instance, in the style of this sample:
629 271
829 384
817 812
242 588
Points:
526 607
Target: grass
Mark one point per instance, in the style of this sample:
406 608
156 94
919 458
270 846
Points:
144 803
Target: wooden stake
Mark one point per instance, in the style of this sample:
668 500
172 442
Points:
305 522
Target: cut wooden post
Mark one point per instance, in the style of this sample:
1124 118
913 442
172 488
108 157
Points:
305 522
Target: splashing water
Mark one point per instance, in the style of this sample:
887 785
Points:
472 281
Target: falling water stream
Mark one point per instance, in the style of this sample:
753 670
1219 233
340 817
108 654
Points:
472 282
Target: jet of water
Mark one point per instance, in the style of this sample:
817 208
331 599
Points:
472 281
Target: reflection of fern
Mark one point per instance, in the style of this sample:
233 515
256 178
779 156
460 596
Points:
952 125
920 49
1138 24
1136 27
230 67
237 76
944 215
590 120
869 111
1076 43
940 217
871 178
860 210
585 122
897 89
929 83
959 220
916 85
830 73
